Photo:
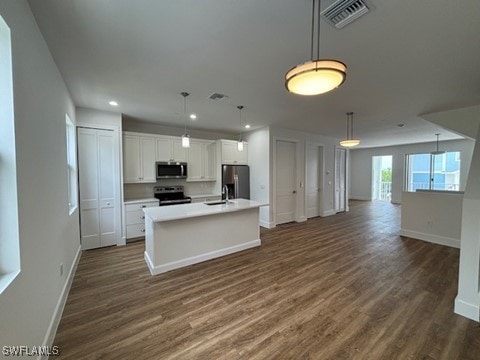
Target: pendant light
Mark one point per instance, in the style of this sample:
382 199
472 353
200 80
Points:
317 76
185 136
437 152
349 141
240 139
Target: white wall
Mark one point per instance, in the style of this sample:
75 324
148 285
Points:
302 138
259 162
432 216
361 165
48 235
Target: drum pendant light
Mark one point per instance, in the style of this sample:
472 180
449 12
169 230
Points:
317 76
349 141
185 136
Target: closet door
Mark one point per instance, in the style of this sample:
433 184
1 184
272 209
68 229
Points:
98 191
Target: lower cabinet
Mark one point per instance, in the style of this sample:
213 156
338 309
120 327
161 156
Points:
135 218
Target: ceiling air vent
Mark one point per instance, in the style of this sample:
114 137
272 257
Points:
343 12
218 97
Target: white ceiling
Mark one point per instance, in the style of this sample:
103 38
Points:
404 59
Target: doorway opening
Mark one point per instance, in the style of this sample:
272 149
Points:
382 178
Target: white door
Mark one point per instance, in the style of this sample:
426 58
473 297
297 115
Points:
286 190
99 212
314 188
340 173
131 159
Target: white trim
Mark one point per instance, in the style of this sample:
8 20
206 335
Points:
267 224
57 314
468 310
301 219
436 239
327 213
155 270
361 198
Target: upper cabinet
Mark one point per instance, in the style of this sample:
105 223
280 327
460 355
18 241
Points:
169 149
230 154
201 161
138 159
141 151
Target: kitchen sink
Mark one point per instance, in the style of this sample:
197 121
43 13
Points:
216 203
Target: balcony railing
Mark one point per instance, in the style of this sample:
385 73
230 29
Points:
438 186
385 191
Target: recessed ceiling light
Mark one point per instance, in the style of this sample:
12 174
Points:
193 116
247 126
113 103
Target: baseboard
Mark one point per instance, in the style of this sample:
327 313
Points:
267 224
328 213
468 310
155 270
57 314
301 219
122 242
361 198
436 239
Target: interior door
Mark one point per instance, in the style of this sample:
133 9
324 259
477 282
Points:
286 190
340 173
98 206
314 188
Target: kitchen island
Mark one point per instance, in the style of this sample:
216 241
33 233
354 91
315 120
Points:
181 235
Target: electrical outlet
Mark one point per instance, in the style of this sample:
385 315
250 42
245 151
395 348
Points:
61 269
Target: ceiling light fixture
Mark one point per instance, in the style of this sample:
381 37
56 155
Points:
240 139
317 76
193 116
185 136
247 126
437 152
113 103
349 141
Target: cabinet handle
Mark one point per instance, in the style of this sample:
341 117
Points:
142 217
142 230
144 206
294 191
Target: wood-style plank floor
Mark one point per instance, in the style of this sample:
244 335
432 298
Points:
343 287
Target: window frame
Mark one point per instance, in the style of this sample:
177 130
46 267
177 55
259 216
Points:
72 165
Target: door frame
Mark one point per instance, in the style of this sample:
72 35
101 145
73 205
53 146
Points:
274 172
120 214
322 169
346 172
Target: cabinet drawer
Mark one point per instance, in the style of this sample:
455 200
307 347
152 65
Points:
135 230
135 217
140 206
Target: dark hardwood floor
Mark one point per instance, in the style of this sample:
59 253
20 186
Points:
342 287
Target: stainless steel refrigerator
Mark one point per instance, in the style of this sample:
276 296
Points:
237 179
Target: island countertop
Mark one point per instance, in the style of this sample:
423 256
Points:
184 211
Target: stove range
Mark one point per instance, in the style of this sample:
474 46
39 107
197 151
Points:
171 195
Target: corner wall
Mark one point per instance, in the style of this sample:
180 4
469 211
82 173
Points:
32 304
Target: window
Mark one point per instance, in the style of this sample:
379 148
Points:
9 236
433 171
71 165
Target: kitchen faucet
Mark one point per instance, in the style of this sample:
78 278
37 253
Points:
225 191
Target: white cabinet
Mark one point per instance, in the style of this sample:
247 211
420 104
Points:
231 155
201 161
135 218
138 159
169 149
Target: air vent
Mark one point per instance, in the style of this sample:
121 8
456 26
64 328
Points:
343 12
218 97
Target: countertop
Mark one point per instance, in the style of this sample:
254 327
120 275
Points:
139 201
183 211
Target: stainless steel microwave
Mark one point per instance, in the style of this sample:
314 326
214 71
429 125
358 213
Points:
171 170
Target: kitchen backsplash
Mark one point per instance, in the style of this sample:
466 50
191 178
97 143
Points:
139 191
